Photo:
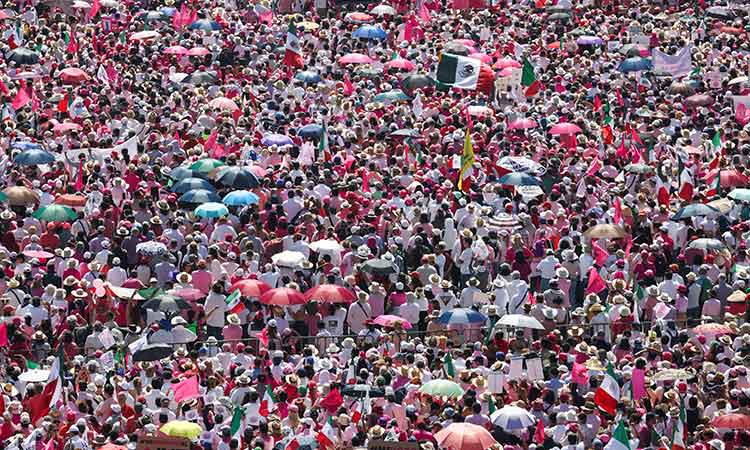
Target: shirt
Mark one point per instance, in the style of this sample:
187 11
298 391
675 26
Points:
216 307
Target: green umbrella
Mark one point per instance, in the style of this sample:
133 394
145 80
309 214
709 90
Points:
206 165
55 213
442 388
742 195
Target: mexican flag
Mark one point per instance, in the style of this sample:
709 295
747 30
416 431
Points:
236 424
52 395
462 72
293 52
619 440
268 403
65 103
608 393
234 302
528 79
678 432
327 435
323 149
716 141
448 363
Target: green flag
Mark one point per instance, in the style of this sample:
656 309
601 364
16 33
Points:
31 364
448 362
491 405
236 420
620 440
527 73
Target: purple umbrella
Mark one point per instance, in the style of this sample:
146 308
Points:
589 40
276 139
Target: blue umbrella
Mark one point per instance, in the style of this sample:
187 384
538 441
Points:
199 196
205 24
276 139
188 184
395 95
237 177
695 210
182 172
25 145
168 11
211 209
34 157
308 76
519 179
240 198
370 32
461 316
311 131
635 64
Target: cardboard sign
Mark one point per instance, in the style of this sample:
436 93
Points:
162 443
383 445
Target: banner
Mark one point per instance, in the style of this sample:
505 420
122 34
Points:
678 64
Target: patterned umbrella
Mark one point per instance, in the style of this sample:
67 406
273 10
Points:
461 316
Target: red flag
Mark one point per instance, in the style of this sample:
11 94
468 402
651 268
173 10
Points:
365 180
539 433
596 284
35 102
406 154
597 103
22 97
595 167
3 336
3 88
348 87
533 89
715 163
622 152
263 337
292 445
618 211
95 7
79 177
600 255
635 136
423 13
607 136
332 401
409 29
620 101
72 43
323 441
211 144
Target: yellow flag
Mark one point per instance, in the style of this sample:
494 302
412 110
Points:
467 159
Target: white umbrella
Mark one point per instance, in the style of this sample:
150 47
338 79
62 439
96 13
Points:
326 245
520 321
521 164
512 418
34 376
288 258
382 10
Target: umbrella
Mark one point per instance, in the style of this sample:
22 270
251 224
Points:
733 421
738 80
728 178
240 198
485 58
522 124
639 168
151 248
406 132
565 128
707 244
383 10
479 110
326 245
211 209
389 320
672 375
559 17
379 266
723 205
111 446
153 352
681 88
605 231
22 55
520 321
176 50
589 40
182 428
308 76
355 58
198 51
188 184
400 63
699 100
20 196
250 288
512 418
461 316
521 164
191 294
740 194
145 35
237 177
442 388
55 213
630 50
64 127
34 157
457 48
694 210
720 12
182 172
73 75
166 303
308 25
310 131
205 25
715 329
506 63
288 258
358 17
201 77
330 293
361 391
34 375
224 104
199 196
465 436
276 139
205 165
519 179
418 81
368 72
282 297
39 254
635 64
395 95
370 32
152 16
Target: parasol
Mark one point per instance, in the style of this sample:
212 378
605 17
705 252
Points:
442 388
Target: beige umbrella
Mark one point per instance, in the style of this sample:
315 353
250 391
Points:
605 231
21 196
724 205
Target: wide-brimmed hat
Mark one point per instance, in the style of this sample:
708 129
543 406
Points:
233 319
80 293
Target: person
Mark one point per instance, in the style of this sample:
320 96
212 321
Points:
215 310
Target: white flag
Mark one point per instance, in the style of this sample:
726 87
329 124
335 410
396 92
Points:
106 338
137 345
101 75
108 360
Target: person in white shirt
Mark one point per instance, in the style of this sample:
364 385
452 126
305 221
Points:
359 312
222 230
215 308
546 268
410 310
116 275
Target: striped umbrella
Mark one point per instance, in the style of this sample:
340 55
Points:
461 316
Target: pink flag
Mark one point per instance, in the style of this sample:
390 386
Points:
3 88
580 374
22 97
111 73
210 144
596 166
177 20
741 114
618 211
539 433
365 180
409 29
423 13
600 255
596 284
639 384
3 334
348 87
95 7
186 389
622 152
73 43
79 177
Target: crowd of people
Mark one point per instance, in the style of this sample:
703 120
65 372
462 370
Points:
456 225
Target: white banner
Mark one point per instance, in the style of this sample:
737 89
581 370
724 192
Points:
678 64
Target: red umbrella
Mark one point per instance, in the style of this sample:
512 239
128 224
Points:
400 63
522 124
330 293
506 62
729 178
38 254
731 30
565 128
71 200
223 103
73 75
465 436
198 51
283 297
176 50
733 421
250 288
355 58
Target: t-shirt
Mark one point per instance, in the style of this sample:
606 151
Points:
216 307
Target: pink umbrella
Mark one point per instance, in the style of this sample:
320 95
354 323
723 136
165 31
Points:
197 51
176 50
466 42
132 283
257 170
565 128
64 127
508 71
388 320
506 62
191 294
250 287
522 124
73 75
355 58
38 254
400 63
224 103
358 17
465 436
485 58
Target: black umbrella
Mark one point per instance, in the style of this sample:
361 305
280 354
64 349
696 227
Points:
22 55
417 81
360 391
406 132
237 177
153 352
379 267
166 303
201 77
720 12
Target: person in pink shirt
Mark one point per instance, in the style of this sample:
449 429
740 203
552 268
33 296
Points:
232 332
202 278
